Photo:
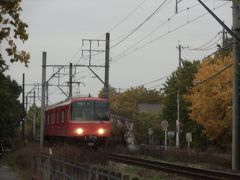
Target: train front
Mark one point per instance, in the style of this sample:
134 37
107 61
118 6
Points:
90 121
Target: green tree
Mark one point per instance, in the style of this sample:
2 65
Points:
12 29
10 107
144 121
33 111
126 103
181 79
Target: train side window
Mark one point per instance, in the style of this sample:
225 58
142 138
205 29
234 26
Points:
46 118
60 117
57 116
49 118
53 118
63 116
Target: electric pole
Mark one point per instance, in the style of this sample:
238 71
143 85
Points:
34 114
23 109
107 52
46 87
44 59
178 97
236 90
70 80
223 43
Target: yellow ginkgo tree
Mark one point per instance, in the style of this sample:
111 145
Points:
211 98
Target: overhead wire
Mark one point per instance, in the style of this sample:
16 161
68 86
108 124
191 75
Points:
153 81
165 22
141 24
125 34
158 27
214 75
165 34
126 17
205 44
209 47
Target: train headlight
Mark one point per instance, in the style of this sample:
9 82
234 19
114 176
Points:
101 131
79 131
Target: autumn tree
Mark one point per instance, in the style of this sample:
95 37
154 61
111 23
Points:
12 29
211 99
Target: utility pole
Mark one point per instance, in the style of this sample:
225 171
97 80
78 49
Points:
223 43
107 52
178 97
70 80
44 59
23 109
34 114
176 7
236 81
236 90
46 87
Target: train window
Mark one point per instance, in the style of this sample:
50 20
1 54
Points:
53 118
101 110
66 115
60 117
57 117
63 116
49 119
90 110
83 110
46 120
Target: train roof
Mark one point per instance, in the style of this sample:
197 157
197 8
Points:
74 99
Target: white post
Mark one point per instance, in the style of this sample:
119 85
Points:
165 139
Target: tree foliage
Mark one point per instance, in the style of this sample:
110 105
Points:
126 103
211 99
181 80
12 28
33 111
10 107
144 121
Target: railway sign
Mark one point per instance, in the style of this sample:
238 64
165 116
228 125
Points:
150 131
171 133
164 125
189 137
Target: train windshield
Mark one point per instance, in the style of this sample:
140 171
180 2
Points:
90 110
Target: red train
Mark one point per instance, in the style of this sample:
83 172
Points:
79 120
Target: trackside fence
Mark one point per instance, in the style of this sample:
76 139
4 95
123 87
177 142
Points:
45 167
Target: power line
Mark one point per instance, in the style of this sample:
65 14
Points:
158 27
126 17
220 49
140 25
163 35
205 44
214 75
159 79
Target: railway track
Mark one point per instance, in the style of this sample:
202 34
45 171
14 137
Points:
186 171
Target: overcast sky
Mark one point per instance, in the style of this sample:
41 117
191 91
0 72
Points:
58 27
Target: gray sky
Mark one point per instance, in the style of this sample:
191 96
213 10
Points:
58 26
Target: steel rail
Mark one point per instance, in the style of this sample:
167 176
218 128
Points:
195 173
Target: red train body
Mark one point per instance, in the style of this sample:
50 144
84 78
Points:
79 119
